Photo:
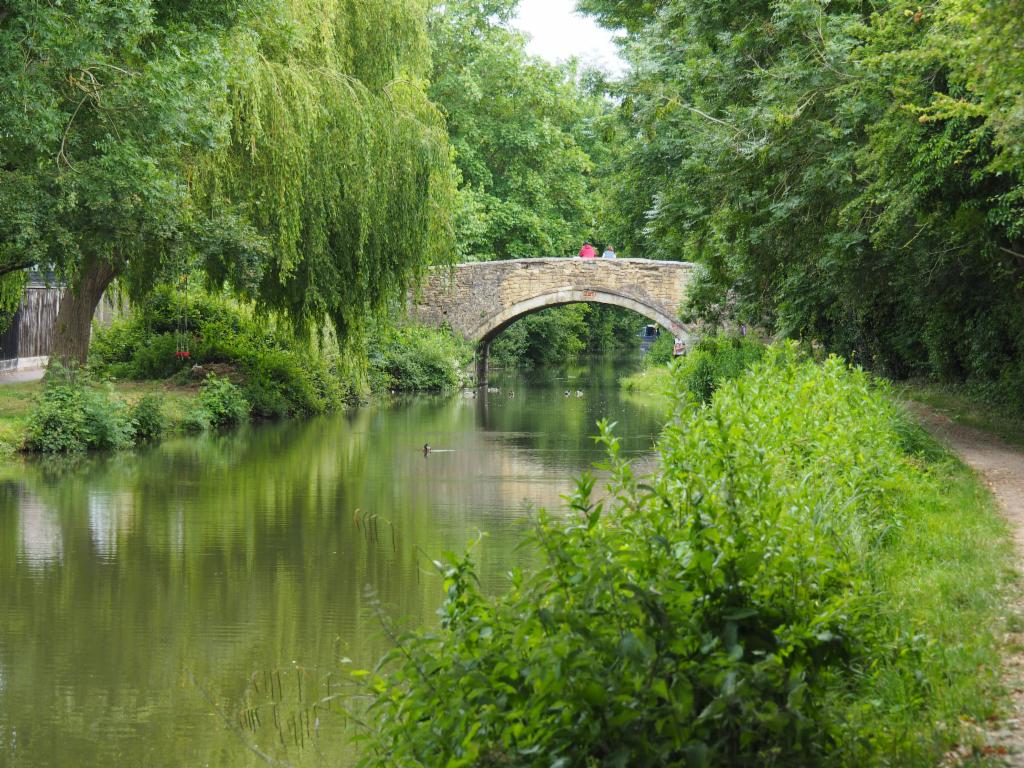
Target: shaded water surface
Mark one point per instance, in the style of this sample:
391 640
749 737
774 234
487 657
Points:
148 600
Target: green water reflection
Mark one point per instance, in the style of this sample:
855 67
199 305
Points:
132 586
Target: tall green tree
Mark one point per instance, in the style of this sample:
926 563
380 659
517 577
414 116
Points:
286 145
519 127
849 172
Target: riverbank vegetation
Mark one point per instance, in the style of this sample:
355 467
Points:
812 585
411 358
712 360
240 366
280 373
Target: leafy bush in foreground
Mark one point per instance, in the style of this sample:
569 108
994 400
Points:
74 415
725 614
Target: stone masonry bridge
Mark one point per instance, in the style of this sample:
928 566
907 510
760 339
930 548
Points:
480 299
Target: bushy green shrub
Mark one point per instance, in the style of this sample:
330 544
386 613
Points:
223 402
73 414
148 417
414 358
715 359
720 613
195 419
661 351
281 374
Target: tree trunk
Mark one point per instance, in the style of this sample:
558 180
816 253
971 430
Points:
74 318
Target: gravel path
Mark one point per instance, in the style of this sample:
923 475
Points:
1001 466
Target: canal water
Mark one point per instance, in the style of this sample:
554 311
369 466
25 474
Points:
202 599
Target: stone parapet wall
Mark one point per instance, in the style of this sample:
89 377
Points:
479 299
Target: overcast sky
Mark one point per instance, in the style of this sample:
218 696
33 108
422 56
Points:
558 32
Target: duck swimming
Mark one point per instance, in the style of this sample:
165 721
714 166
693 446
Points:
579 393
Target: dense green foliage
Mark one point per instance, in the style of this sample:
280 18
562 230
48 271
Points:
285 145
282 374
74 414
561 334
713 360
853 172
411 358
336 154
149 417
96 126
745 606
521 129
223 402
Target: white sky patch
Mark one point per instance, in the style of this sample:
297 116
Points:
557 33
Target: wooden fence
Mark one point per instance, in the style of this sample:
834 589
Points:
29 339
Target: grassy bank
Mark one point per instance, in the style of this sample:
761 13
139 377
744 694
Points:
654 383
807 580
712 360
16 404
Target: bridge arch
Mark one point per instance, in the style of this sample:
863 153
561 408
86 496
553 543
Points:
499 321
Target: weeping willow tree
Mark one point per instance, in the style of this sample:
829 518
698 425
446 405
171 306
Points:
337 156
287 145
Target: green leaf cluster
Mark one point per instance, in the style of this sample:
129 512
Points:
74 414
713 360
411 358
223 402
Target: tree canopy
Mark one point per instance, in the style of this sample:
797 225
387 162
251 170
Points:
521 129
850 172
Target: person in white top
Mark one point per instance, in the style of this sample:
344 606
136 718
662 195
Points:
609 252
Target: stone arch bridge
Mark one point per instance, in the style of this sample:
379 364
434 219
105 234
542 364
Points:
481 299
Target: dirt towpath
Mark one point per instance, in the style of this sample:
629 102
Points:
1001 466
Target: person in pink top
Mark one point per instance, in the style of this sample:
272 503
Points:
587 251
